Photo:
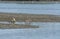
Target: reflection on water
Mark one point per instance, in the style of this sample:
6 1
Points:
47 30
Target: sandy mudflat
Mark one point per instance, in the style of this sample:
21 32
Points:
33 17
16 26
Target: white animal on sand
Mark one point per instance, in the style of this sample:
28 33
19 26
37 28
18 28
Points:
13 20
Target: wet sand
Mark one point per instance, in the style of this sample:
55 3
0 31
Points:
33 17
23 17
16 26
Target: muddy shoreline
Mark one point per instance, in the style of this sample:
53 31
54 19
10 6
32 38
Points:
16 26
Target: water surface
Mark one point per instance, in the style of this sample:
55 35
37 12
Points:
30 8
47 30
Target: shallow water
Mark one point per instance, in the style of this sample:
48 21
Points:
30 8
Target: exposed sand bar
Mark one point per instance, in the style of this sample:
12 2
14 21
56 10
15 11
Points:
34 17
16 26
